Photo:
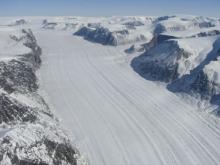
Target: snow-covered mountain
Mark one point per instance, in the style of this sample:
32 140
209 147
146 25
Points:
184 53
88 75
177 48
115 33
30 134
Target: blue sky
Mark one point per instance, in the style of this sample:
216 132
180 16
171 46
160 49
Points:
108 7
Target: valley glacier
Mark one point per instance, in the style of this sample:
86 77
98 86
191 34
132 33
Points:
110 90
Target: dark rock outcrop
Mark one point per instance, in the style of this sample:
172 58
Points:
16 75
206 34
204 86
13 112
134 23
153 66
163 18
198 82
60 152
135 48
40 150
101 35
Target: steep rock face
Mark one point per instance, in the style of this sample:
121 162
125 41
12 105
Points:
29 40
32 134
203 80
189 65
160 62
13 112
198 85
102 35
84 31
158 39
195 73
135 48
204 86
163 18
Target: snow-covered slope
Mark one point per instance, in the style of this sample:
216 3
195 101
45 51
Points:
117 116
184 24
116 33
203 76
29 131
114 115
177 56
183 52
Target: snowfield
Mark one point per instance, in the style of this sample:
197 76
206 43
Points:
96 77
116 116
